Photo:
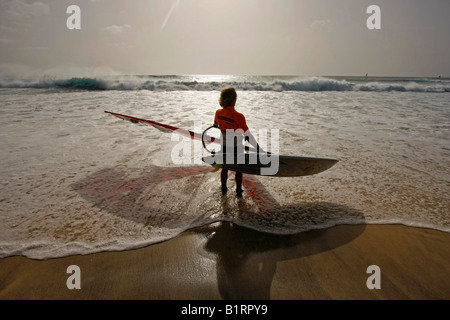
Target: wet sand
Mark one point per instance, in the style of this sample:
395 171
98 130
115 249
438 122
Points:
225 261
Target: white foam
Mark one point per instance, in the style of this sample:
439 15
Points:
76 180
190 83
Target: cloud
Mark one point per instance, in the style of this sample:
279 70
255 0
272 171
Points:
18 16
116 30
19 11
320 25
118 36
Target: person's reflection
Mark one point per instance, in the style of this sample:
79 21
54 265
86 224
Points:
247 259
241 273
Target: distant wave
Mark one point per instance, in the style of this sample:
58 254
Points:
72 83
185 83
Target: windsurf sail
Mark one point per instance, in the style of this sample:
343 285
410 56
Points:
288 166
166 128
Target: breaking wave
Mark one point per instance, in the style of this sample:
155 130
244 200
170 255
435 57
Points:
278 84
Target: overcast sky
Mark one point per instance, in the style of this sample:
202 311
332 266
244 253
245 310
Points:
242 37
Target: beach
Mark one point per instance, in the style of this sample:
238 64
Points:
225 261
112 185
83 188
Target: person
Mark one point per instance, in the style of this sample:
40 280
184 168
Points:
227 118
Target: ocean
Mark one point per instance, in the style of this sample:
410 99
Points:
75 180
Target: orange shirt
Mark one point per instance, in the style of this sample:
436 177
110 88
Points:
229 118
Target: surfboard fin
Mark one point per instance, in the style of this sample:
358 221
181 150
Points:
216 167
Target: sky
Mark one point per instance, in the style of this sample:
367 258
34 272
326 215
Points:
232 37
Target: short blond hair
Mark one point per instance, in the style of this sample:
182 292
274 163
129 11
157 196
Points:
228 97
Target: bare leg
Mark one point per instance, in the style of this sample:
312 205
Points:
224 178
239 178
